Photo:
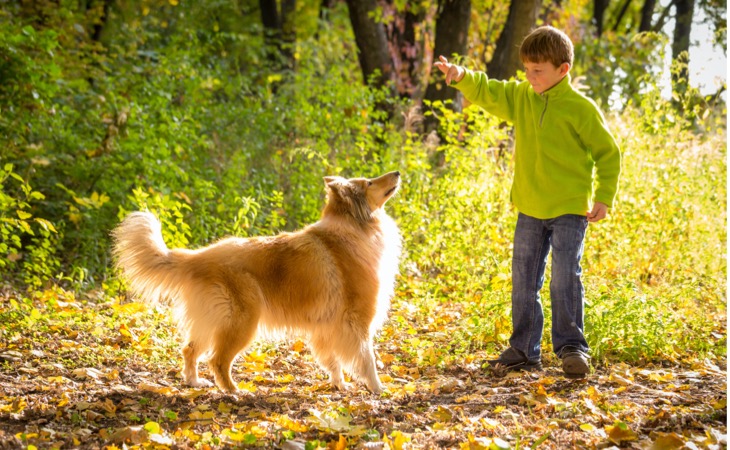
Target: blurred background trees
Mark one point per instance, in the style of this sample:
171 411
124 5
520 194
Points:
236 108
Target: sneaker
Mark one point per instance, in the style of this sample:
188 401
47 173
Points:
514 360
575 363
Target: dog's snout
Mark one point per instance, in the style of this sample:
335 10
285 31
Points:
397 174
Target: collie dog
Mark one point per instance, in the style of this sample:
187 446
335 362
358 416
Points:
331 281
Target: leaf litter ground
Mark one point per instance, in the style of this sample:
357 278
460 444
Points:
101 375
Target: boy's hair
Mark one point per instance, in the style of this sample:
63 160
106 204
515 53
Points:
547 44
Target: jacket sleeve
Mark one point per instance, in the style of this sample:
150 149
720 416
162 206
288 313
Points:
606 156
495 96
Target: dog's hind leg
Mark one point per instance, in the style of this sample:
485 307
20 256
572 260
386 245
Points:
191 354
236 333
228 344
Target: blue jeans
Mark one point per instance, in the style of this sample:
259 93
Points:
533 240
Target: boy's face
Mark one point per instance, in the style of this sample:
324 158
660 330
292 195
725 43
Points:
544 75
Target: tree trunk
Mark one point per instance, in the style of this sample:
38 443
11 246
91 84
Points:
647 12
452 30
325 8
621 14
680 44
99 24
406 51
599 10
279 32
520 21
372 43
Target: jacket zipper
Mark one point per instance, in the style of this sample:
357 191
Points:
542 116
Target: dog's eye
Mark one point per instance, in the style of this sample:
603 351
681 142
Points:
370 183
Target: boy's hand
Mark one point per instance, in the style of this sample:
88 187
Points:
598 213
452 71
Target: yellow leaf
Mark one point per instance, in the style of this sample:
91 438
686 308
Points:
22 215
59 380
234 435
156 388
152 427
587 427
288 378
620 432
387 358
247 386
442 414
224 408
398 440
341 443
298 346
668 441
286 422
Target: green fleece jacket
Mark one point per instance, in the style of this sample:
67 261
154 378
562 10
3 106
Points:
560 137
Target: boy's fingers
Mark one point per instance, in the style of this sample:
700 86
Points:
443 59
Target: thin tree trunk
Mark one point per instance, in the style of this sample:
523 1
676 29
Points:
407 53
599 11
647 12
99 25
279 32
324 14
663 17
372 43
452 30
681 42
520 21
621 15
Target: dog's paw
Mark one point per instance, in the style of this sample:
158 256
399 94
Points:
343 386
200 383
376 389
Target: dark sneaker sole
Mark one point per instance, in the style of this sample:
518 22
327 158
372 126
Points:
516 367
575 368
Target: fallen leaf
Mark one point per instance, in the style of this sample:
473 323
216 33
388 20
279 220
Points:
620 432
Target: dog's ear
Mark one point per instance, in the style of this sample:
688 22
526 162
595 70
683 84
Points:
333 184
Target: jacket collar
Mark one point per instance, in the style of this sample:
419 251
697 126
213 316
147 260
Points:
562 87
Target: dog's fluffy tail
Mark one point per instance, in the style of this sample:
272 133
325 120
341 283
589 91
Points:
143 258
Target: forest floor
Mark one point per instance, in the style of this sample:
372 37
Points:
73 375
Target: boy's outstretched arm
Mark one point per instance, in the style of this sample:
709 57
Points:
453 72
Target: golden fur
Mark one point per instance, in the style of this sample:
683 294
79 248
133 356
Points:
331 281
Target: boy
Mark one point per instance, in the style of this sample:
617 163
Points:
560 137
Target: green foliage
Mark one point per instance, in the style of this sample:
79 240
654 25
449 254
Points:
618 68
28 245
190 122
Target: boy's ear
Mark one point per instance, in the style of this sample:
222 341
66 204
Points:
564 68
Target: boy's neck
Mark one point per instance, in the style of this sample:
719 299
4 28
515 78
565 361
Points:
559 81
